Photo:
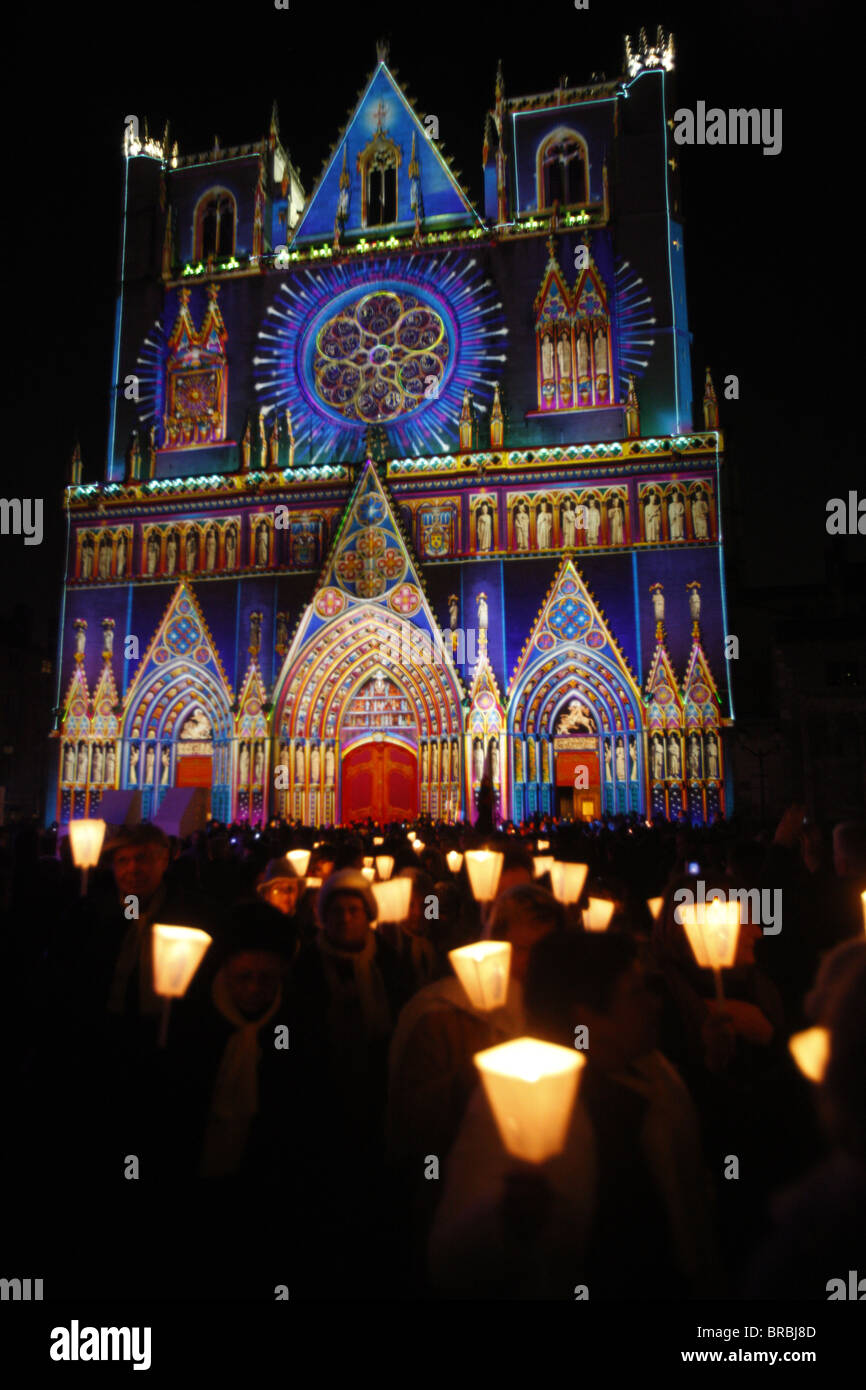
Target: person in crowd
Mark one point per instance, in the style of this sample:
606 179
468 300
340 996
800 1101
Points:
819 1222
411 938
624 1210
279 885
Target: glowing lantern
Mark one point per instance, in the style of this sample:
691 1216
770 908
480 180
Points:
177 954
655 906
542 846
567 880
713 930
313 882
811 1051
369 873
483 970
392 899
85 841
542 864
454 859
483 867
531 1087
863 901
368 861
385 865
597 916
418 846
378 839
299 860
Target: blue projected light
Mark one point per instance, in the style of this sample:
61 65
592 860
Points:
393 343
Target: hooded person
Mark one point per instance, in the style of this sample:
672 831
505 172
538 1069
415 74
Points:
231 1049
410 938
280 886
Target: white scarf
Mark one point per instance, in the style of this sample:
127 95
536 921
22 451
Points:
235 1098
366 984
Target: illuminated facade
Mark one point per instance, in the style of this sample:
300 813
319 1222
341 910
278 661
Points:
401 494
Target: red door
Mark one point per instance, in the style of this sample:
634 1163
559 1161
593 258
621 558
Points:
380 782
578 784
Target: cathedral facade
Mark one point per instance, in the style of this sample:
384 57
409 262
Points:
402 493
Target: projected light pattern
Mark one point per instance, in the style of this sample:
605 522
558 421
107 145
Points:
635 320
391 342
150 370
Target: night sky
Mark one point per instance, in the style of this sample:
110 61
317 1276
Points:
772 243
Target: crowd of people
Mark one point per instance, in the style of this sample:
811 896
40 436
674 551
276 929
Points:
309 1116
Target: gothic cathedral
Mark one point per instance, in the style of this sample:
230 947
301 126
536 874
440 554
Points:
402 493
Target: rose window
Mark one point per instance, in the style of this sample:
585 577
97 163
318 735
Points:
380 357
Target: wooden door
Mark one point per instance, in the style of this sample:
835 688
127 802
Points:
380 782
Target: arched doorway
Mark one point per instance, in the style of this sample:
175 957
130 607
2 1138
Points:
366 679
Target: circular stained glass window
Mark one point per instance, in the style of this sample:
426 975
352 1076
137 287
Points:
380 356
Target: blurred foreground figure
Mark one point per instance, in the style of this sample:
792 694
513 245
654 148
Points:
624 1209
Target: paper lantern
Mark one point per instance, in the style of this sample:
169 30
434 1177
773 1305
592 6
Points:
483 970
85 840
567 880
299 860
177 953
596 917
392 899
312 881
655 906
531 1087
713 929
542 864
369 873
483 867
368 861
811 1051
542 846
863 901
378 839
454 859
385 865
418 846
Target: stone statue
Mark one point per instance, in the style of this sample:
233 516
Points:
231 547
82 762
171 552
259 765
110 764
543 526
122 547
329 766
80 637
658 604
482 612
104 558
615 520
593 522
547 357
521 527
712 756
191 550
676 516
149 765
674 755
477 760
165 759
694 757
454 611
568 520
658 753
485 528
96 763
700 516
494 760
315 765
243 765
695 604
632 755
69 763
652 517
608 771
299 765
134 754
210 548
620 761
262 543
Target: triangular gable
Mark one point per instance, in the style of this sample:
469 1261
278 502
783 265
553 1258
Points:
484 683
590 296
252 720
700 692
182 635
553 301
371 561
76 705
664 706
185 338
105 701
383 114
570 615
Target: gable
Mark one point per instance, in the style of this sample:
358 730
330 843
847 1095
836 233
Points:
384 118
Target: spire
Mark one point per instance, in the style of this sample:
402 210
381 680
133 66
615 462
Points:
711 405
274 445
75 466
467 423
246 442
263 440
694 592
290 433
497 423
133 460
382 51
274 127
632 412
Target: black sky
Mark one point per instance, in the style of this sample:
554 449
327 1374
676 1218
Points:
772 243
